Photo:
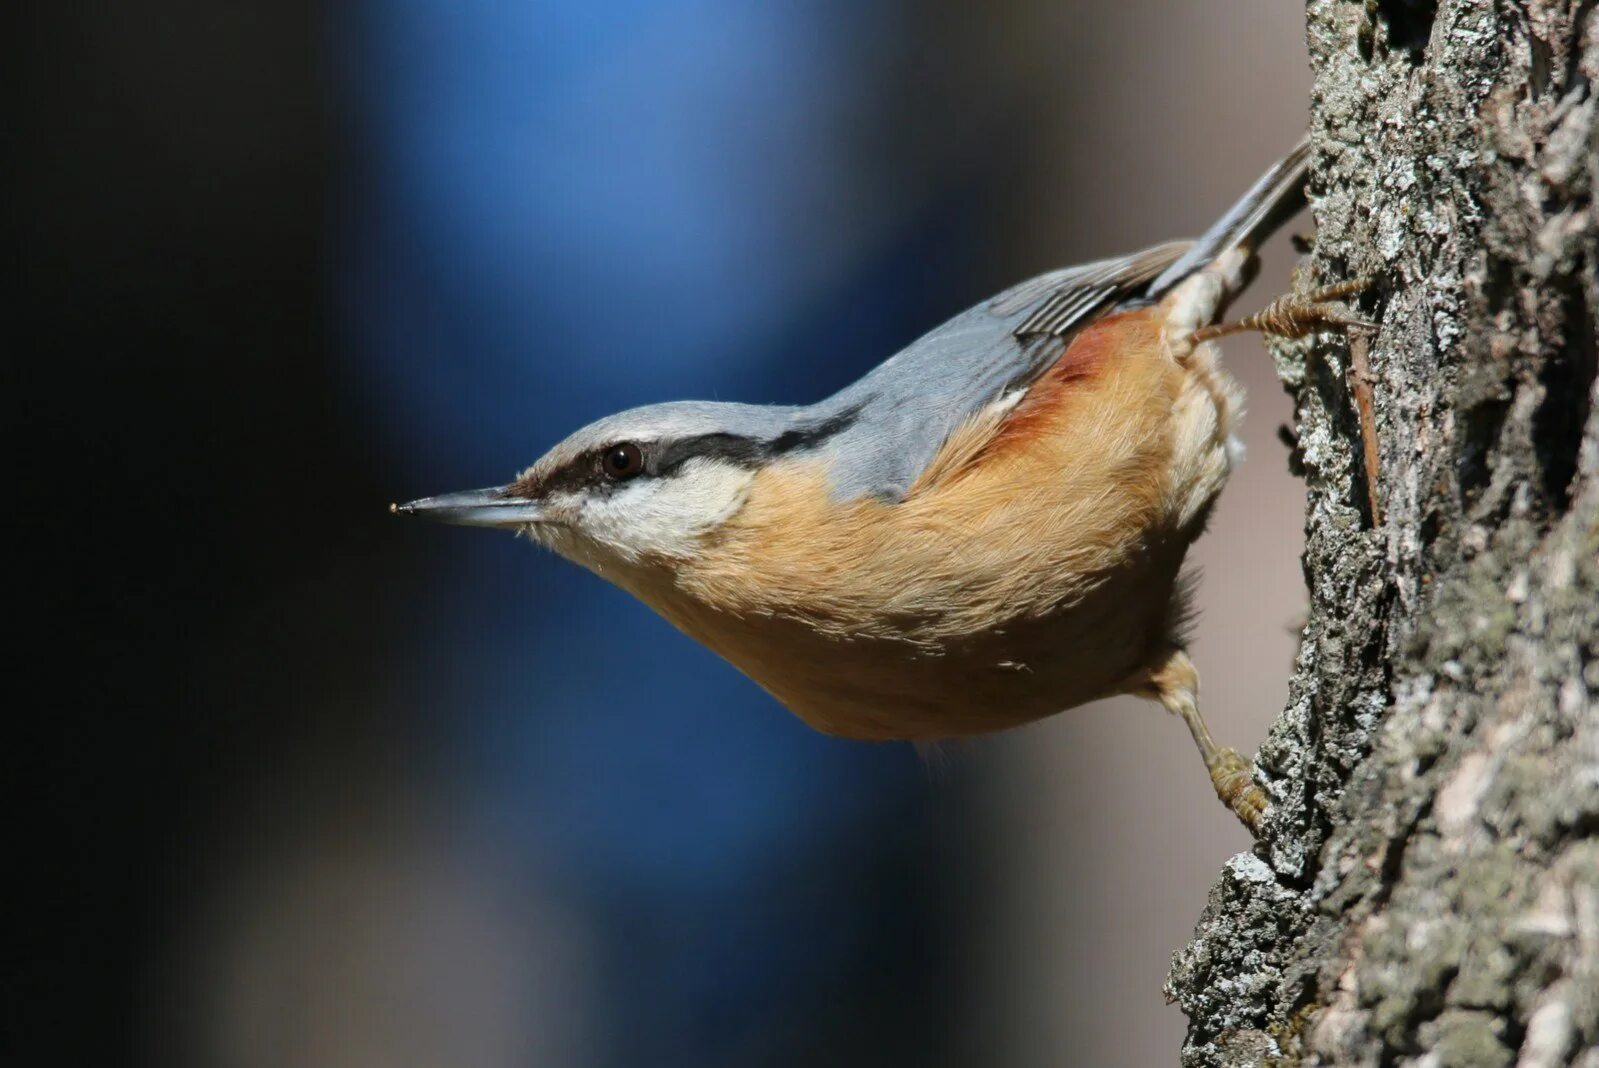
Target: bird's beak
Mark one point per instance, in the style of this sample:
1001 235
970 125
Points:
493 507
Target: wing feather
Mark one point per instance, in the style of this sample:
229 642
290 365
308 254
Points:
912 403
1072 295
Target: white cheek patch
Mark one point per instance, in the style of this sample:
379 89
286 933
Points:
664 516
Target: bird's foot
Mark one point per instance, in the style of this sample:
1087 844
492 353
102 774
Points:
1296 315
1234 780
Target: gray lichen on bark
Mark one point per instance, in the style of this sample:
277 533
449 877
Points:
1427 888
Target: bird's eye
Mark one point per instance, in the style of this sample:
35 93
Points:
622 462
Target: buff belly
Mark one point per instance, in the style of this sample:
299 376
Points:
1036 566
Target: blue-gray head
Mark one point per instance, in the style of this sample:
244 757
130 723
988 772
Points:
644 484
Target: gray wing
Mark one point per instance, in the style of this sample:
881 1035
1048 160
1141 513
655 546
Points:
896 418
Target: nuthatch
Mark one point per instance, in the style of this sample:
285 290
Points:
987 529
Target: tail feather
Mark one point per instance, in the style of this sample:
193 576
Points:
1277 197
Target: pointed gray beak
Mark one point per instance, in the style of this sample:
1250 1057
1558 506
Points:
492 507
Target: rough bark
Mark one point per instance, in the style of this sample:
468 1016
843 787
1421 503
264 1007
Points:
1427 888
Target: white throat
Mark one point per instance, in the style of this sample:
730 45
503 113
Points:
648 518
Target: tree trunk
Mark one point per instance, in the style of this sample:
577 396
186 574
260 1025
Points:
1427 888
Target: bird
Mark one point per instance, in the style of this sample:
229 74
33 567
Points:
987 529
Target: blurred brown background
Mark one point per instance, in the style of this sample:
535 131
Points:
310 789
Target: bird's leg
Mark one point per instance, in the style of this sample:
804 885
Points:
1295 315
1175 684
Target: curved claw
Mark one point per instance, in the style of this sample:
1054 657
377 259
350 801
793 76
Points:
1295 315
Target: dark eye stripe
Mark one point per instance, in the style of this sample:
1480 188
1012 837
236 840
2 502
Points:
750 452
731 448
664 458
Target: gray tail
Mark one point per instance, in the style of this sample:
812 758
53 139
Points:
1277 197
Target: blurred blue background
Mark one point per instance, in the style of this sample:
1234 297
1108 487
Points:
320 788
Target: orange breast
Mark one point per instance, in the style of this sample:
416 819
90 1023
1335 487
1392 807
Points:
1032 567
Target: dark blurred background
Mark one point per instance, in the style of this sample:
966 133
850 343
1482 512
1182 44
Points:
298 784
